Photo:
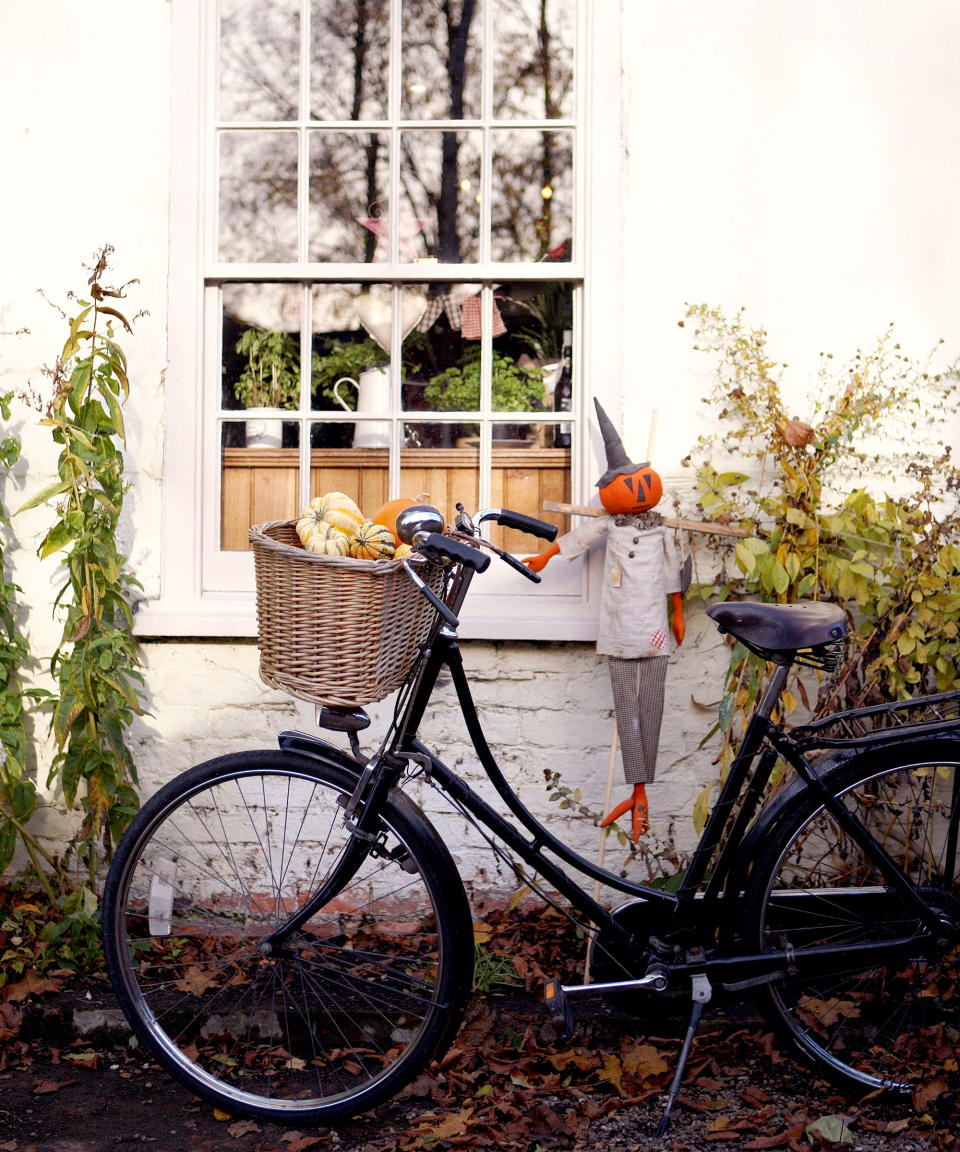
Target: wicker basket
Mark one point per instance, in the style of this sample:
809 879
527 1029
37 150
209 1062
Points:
335 630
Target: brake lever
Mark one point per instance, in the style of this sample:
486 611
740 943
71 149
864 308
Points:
510 559
433 598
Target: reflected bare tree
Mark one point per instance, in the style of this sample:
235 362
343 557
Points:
349 169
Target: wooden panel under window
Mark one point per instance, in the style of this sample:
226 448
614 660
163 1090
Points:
261 484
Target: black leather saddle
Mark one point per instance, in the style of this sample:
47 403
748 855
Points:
779 631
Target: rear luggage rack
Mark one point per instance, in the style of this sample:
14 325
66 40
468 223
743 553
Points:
872 725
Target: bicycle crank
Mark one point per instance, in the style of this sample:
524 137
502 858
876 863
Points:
556 996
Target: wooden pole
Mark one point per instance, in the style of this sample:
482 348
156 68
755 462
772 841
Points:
602 847
670 521
652 438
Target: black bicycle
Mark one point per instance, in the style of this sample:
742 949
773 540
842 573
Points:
289 937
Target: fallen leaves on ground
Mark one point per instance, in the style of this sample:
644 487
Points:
508 1083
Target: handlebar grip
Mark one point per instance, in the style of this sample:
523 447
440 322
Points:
455 550
522 523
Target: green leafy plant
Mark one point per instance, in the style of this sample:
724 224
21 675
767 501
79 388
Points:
855 504
46 937
271 375
515 389
95 665
18 794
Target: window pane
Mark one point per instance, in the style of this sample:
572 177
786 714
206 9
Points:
350 53
258 196
260 480
532 209
440 176
533 61
440 463
522 478
258 45
441 59
260 356
351 371
349 177
362 473
526 323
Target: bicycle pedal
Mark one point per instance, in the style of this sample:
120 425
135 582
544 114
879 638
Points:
558 1005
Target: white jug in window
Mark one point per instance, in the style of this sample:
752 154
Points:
373 395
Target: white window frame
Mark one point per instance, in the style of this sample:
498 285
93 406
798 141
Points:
502 605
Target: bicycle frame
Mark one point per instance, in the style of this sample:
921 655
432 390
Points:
717 869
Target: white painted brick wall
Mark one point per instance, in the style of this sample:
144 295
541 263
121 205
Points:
544 707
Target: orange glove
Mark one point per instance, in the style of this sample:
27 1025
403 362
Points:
679 625
637 804
537 563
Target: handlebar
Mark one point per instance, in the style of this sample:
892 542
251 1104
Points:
521 522
416 525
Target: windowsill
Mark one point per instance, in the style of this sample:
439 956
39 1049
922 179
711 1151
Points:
234 617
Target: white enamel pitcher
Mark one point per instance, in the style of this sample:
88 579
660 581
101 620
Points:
373 395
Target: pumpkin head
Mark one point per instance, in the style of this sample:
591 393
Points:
631 492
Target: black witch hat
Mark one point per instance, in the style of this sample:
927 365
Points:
618 462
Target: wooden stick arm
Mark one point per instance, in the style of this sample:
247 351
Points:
671 522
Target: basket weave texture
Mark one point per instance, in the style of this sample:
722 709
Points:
331 629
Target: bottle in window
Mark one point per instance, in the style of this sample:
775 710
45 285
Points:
563 392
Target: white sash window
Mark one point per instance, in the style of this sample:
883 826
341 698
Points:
388 217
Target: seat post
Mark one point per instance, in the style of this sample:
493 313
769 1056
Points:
771 695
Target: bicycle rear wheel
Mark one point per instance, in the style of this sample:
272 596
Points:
885 1025
324 1023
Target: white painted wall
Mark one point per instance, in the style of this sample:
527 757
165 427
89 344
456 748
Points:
798 159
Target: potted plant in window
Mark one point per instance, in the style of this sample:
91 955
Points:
270 380
515 389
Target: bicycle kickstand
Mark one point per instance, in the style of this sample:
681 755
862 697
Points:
701 997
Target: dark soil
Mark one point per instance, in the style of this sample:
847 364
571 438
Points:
72 1081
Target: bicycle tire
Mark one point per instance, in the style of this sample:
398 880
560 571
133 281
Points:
885 1026
341 1015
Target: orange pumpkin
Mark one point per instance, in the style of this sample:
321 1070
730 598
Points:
387 515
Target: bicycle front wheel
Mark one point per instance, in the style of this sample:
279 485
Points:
893 1024
303 1025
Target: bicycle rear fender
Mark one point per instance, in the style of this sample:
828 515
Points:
308 745
826 767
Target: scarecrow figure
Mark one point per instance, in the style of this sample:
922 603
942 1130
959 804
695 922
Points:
641 573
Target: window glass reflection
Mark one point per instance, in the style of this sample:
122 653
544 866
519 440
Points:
257 44
441 59
258 196
440 175
532 208
349 177
533 59
260 479
349 59
260 352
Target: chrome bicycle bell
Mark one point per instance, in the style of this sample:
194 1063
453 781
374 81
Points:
418 518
